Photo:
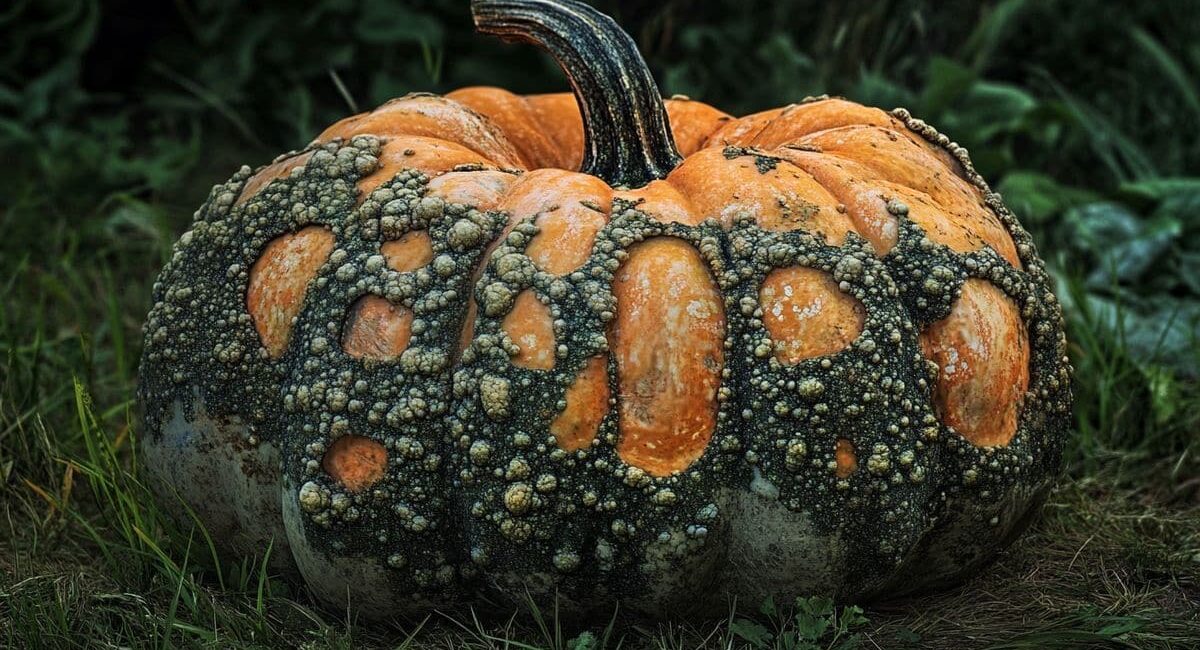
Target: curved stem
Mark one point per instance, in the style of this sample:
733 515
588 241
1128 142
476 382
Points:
627 138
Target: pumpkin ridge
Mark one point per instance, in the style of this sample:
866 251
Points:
683 113
432 116
823 113
866 177
862 192
1022 240
743 121
952 180
515 117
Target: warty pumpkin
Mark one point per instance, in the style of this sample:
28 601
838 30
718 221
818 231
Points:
802 351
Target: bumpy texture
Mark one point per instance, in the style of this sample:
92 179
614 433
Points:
426 363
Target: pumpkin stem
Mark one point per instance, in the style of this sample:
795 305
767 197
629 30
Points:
627 138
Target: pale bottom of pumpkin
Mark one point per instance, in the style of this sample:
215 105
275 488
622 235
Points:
365 586
756 548
205 470
963 541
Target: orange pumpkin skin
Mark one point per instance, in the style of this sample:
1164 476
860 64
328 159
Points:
818 356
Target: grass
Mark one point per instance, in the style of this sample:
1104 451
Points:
107 157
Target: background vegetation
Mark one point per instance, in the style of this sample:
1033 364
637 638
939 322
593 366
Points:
116 117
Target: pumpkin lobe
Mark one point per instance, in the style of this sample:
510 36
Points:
431 156
431 117
845 460
587 404
530 327
982 353
355 461
518 120
483 188
279 279
953 212
668 339
664 203
271 172
730 184
807 315
410 252
376 329
569 209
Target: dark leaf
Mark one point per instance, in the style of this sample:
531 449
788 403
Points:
754 633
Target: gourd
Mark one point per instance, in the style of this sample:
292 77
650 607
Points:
423 360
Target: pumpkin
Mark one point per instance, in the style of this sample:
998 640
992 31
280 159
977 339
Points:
422 360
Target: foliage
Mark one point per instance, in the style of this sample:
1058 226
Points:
815 623
116 116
